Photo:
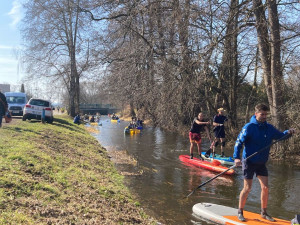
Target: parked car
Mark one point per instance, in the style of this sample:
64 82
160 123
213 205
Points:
16 102
34 110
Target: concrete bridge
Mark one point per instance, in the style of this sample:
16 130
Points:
103 109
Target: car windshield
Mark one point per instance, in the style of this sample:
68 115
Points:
39 102
15 100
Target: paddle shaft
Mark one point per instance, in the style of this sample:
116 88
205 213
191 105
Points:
213 142
249 157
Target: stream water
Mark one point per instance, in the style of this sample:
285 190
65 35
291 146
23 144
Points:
161 181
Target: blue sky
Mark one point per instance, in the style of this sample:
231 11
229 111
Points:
10 17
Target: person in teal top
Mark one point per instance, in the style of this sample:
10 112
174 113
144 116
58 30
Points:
256 135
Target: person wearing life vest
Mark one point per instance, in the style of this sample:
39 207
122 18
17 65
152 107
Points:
255 136
198 126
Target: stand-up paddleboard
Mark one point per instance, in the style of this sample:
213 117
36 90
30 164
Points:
223 160
226 215
206 165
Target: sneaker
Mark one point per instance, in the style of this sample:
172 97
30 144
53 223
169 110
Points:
267 217
191 157
241 217
223 155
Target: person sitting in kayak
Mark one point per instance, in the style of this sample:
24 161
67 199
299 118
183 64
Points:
139 122
92 120
198 126
114 117
219 131
255 136
132 125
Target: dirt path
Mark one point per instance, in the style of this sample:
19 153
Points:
15 120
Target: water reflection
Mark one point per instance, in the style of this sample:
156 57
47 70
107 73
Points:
161 181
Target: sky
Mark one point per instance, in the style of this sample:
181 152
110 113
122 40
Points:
10 40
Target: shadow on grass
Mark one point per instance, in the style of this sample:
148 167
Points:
66 124
20 129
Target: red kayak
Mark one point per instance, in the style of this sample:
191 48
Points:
212 166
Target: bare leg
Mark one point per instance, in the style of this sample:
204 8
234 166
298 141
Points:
191 148
199 148
221 143
214 147
263 180
245 192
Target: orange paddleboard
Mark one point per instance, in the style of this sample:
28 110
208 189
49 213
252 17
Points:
228 216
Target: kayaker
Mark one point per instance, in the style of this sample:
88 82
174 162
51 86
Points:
219 131
92 120
198 126
256 135
139 122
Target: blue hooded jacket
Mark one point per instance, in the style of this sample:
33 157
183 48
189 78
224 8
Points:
255 136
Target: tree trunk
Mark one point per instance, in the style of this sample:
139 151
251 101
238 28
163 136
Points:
229 69
279 114
269 49
264 48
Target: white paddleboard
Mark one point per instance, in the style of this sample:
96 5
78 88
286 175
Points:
226 215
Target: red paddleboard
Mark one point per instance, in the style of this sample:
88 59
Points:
212 166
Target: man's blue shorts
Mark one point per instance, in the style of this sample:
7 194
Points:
249 169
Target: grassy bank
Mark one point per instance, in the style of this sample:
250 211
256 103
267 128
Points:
59 174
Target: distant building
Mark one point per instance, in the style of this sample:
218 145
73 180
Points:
5 88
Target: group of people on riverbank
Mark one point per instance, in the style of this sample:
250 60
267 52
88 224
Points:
87 118
255 138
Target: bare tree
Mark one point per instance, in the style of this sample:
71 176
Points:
56 44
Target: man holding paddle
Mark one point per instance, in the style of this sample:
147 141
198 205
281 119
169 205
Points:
255 137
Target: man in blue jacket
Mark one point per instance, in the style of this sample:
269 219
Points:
255 136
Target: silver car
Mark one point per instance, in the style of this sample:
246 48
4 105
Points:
38 109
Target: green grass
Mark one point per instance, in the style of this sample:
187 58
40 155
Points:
58 173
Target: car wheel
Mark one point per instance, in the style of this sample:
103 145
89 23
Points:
24 118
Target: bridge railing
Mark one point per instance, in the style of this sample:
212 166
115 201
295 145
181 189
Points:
95 106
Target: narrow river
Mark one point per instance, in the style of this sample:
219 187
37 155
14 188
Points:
161 181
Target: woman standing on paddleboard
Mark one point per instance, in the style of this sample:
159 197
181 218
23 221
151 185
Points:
198 126
219 131
255 136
